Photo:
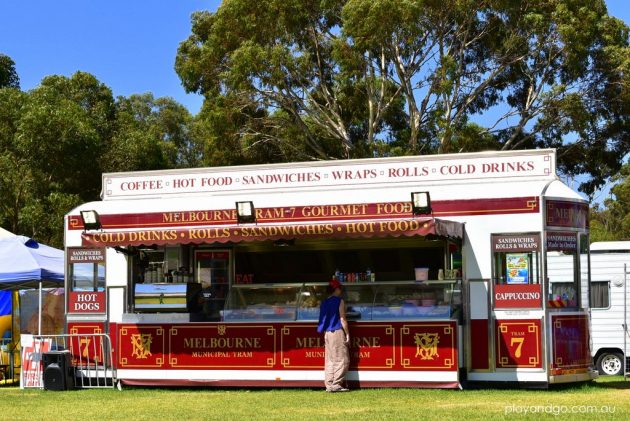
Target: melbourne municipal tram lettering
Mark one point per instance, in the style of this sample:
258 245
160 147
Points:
222 343
357 344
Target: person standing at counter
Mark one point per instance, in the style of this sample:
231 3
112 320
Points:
332 321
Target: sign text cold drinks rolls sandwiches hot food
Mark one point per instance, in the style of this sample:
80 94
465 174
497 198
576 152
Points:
407 227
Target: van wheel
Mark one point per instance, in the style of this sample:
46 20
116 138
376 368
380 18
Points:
610 363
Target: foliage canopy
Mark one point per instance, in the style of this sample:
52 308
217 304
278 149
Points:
356 78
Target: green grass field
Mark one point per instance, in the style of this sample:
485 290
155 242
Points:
588 401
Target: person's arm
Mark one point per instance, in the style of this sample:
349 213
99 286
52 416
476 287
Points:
344 321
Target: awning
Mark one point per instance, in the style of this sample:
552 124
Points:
25 263
252 232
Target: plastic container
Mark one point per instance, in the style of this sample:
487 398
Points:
422 274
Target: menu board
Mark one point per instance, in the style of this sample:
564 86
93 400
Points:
517 268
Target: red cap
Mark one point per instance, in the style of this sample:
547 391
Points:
334 284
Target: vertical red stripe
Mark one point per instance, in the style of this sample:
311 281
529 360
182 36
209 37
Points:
479 344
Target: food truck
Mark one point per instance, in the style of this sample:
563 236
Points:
214 276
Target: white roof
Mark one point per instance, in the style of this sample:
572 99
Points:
434 172
611 246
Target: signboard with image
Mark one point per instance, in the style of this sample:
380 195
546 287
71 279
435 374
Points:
517 268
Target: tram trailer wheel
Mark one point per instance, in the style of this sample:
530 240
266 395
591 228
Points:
610 363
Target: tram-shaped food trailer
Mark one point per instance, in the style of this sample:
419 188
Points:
214 276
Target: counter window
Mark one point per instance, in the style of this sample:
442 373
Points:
562 269
351 262
86 269
516 259
180 279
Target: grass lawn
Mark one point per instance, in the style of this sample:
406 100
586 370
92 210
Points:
606 394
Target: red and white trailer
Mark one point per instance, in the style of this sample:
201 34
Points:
444 260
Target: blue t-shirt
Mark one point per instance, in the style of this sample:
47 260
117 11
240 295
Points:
329 318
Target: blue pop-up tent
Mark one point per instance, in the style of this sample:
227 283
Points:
27 264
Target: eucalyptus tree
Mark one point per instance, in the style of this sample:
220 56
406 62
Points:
8 75
610 221
373 77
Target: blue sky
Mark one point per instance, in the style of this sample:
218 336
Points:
129 45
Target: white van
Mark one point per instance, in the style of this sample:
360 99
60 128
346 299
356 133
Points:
609 304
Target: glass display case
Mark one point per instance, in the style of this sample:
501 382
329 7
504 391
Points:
405 300
411 300
262 302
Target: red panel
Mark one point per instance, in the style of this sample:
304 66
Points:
85 348
86 302
372 347
570 338
421 346
222 346
480 344
296 214
428 346
141 346
518 296
301 347
518 343
566 214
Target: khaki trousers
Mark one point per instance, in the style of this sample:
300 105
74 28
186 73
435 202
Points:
337 360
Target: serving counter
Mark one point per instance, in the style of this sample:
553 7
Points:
402 334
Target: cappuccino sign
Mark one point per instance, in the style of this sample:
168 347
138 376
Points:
518 296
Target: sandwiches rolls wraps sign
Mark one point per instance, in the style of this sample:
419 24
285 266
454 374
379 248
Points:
86 301
86 255
515 242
